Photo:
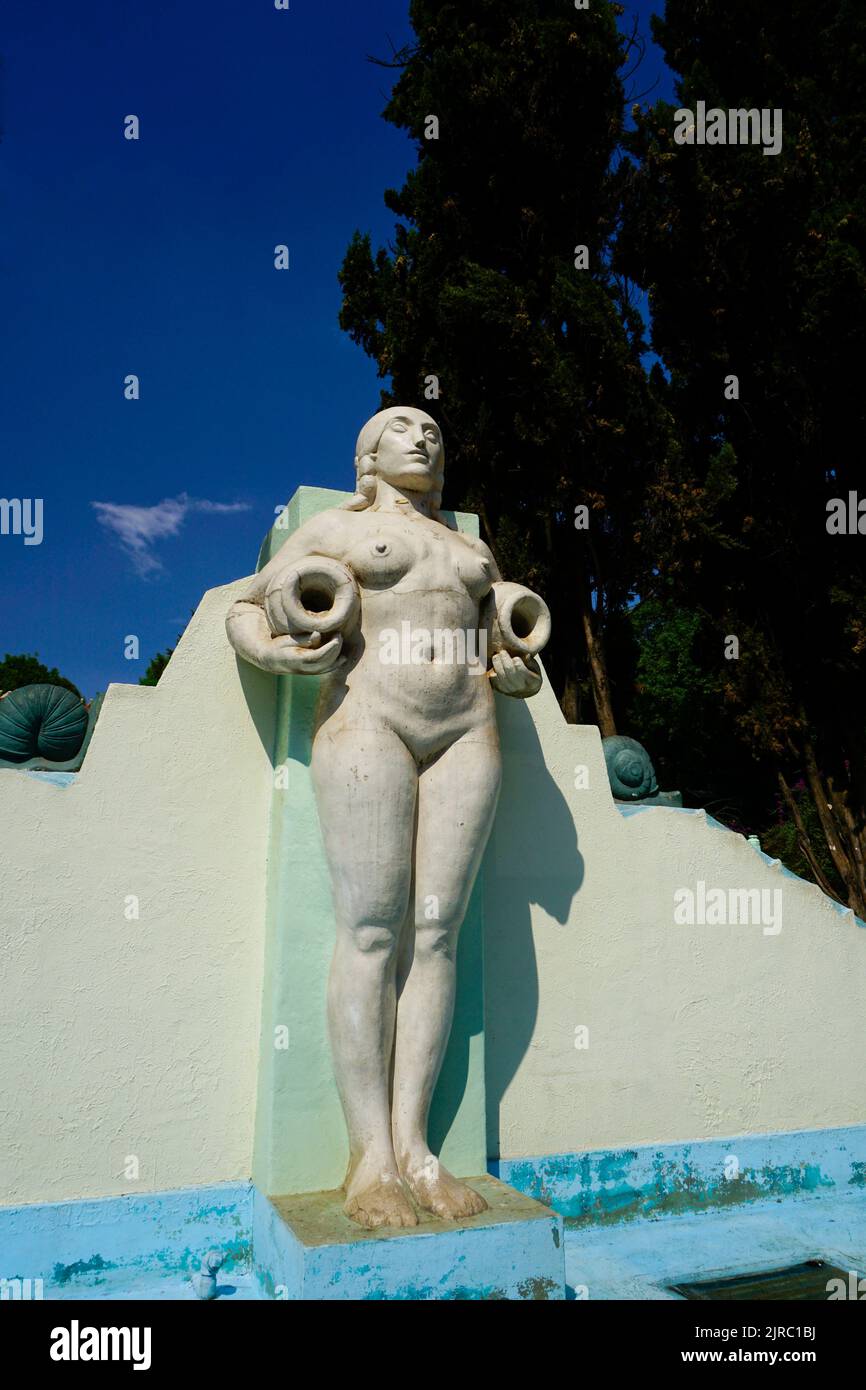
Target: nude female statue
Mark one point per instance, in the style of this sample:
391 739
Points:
406 769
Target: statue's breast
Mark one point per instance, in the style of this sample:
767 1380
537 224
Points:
382 558
397 553
475 571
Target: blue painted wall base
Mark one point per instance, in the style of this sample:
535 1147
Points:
747 1202
125 1247
613 1185
292 1248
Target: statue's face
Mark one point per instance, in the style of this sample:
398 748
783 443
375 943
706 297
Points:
410 451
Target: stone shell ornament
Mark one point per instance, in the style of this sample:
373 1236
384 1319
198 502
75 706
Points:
629 768
41 721
316 594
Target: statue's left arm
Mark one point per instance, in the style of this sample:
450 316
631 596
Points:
518 621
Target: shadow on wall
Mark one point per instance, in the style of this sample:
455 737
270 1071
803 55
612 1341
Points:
533 857
260 692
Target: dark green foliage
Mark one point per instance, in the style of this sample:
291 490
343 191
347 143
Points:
754 267
156 666
779 839
543 400
27 669
711 511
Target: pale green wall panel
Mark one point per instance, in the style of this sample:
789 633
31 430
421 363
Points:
301 1142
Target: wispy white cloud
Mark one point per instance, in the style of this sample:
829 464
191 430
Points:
139 528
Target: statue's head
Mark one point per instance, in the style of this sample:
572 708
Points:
403 446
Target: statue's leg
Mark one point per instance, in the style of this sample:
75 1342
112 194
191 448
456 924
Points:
366 785
456 802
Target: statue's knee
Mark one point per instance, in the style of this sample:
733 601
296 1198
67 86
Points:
372 939
436 936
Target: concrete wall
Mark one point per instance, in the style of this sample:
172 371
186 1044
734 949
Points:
142 1037
694 1031
138 1037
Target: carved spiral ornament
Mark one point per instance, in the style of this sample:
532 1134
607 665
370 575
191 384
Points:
629 769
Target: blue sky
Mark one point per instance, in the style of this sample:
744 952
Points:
155 257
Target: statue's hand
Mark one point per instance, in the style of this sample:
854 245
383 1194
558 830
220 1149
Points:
512 675
251 637
312 657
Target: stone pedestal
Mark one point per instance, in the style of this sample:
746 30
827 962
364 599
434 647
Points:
307 1248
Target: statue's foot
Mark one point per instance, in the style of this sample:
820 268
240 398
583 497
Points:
437 1190
376 1198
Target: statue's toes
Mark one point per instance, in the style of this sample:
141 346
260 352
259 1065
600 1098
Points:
385 1204
448 1197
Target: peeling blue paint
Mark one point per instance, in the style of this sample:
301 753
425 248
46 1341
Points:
95 1265
630 1184
82 1245
806 1192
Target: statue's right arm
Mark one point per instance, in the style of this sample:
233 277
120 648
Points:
247 624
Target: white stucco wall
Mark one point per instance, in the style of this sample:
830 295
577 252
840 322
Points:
122 1037
694 1031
